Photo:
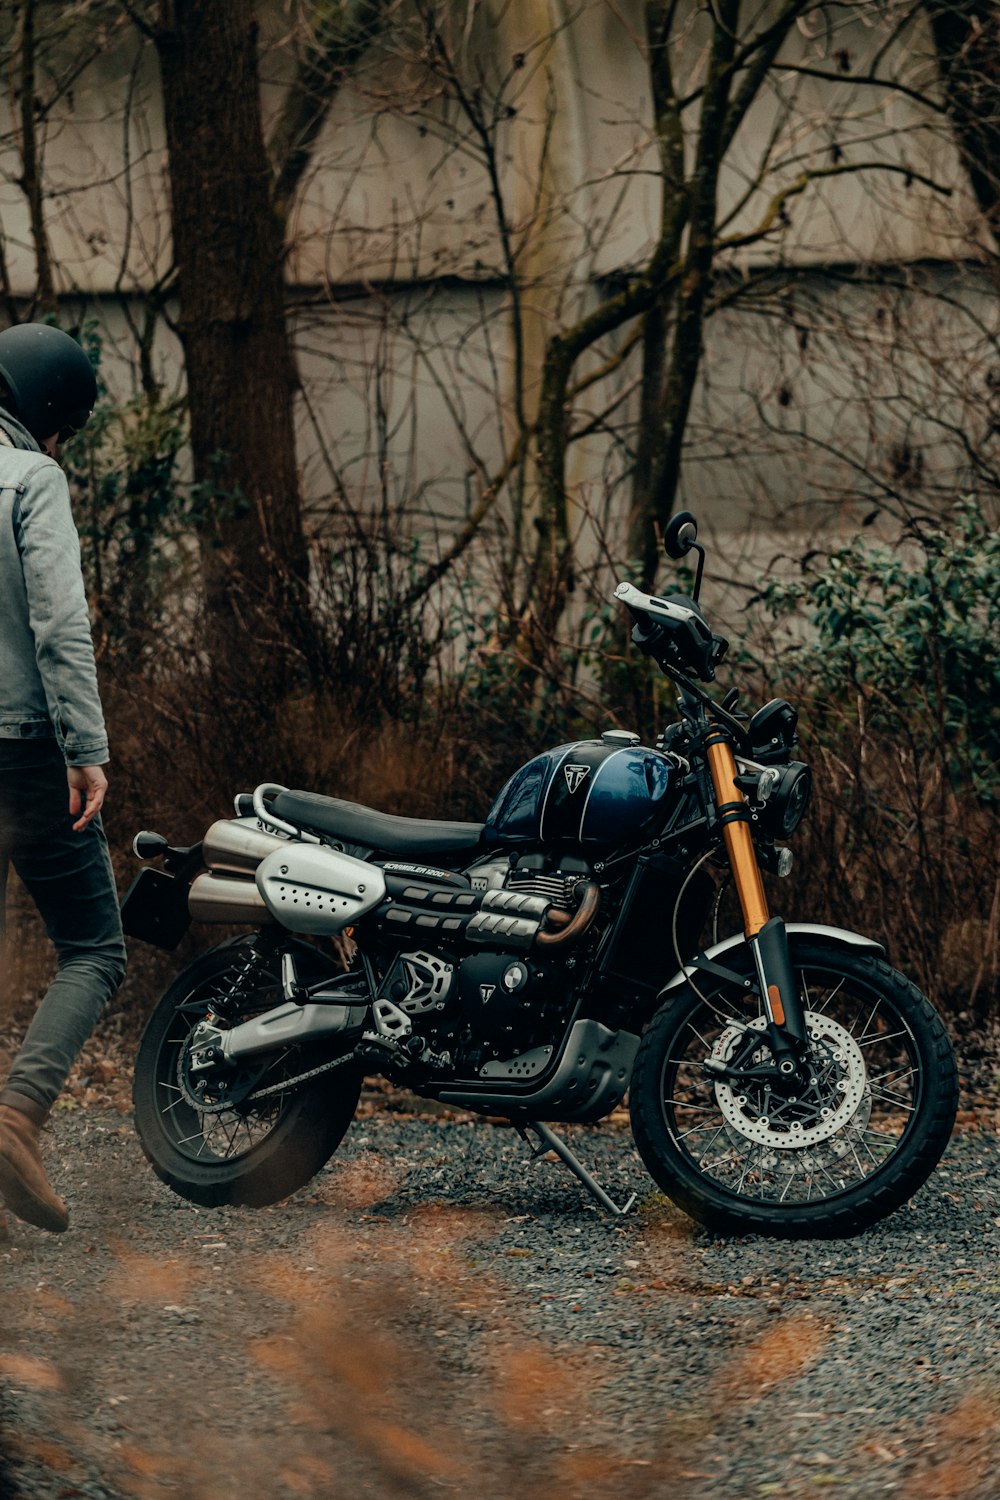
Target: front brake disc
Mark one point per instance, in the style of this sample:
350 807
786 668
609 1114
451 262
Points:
835 1097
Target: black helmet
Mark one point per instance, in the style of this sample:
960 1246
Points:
51 381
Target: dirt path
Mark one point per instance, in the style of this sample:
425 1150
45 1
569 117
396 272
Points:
437 1316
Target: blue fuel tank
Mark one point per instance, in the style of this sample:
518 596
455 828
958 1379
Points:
590 793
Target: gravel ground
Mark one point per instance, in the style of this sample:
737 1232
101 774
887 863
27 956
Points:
439 1315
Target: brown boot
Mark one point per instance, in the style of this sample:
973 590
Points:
24 1186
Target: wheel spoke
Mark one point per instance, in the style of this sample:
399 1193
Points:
890 1073
695 1130
871 1153
827 1173
229 1139
829 1000
761 1168
893 1099
860 1041
864 1029
746 1169
715 1137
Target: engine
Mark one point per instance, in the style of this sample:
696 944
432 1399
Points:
483 985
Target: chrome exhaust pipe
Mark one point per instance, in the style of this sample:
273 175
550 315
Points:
237 845
225 898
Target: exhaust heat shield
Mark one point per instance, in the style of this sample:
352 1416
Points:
311 888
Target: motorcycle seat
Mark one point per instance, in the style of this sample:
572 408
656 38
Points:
355 824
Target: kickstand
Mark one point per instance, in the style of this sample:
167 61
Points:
551 1142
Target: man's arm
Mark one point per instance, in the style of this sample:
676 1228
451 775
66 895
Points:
60 622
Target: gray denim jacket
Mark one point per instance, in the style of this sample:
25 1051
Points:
48 681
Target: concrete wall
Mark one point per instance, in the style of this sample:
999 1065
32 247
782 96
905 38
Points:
398 188
816 391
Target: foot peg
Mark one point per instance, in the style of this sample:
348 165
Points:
549 1141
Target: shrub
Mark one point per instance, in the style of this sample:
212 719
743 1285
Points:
899 681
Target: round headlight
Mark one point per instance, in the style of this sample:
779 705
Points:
784 808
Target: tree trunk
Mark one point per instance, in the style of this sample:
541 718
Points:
643 535
240 374
967 38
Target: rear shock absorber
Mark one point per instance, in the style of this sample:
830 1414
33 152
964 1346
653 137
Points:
250 960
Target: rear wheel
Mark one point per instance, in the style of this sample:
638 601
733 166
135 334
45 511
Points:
745 1155
267 1143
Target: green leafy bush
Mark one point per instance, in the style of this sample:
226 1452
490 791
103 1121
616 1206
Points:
914 630
896 668
133 515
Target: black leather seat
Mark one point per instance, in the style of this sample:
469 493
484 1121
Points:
354 824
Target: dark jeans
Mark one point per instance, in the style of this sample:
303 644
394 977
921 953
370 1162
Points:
69 877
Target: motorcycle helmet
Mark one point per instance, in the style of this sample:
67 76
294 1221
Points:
51 382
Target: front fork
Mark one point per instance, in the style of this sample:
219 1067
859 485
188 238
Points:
766 935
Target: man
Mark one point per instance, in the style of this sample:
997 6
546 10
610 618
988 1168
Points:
53 746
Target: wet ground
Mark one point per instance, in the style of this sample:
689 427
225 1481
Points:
438 1314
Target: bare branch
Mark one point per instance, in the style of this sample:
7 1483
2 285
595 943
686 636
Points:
766 50
469 531
6 291
342 31
31 168
139 20
926 101
777 203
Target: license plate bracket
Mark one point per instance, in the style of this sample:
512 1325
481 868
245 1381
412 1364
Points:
155 909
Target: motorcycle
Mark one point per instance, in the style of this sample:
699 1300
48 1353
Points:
782 1080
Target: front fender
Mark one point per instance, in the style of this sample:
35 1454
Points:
837 936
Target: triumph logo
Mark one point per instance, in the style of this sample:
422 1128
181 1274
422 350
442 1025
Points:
574 776
485 991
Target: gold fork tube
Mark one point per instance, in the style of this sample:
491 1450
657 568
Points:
739 842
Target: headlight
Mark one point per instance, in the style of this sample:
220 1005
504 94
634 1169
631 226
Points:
783 810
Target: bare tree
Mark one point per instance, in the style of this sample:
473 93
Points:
31 33
228 254
229 204
621 356
31 174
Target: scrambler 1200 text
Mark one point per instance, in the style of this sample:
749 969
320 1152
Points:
784 1080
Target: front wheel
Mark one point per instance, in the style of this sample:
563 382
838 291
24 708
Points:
743 1153
266 1144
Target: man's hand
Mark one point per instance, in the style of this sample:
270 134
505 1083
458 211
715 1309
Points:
87 788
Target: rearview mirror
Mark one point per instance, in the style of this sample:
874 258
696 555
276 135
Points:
681 534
